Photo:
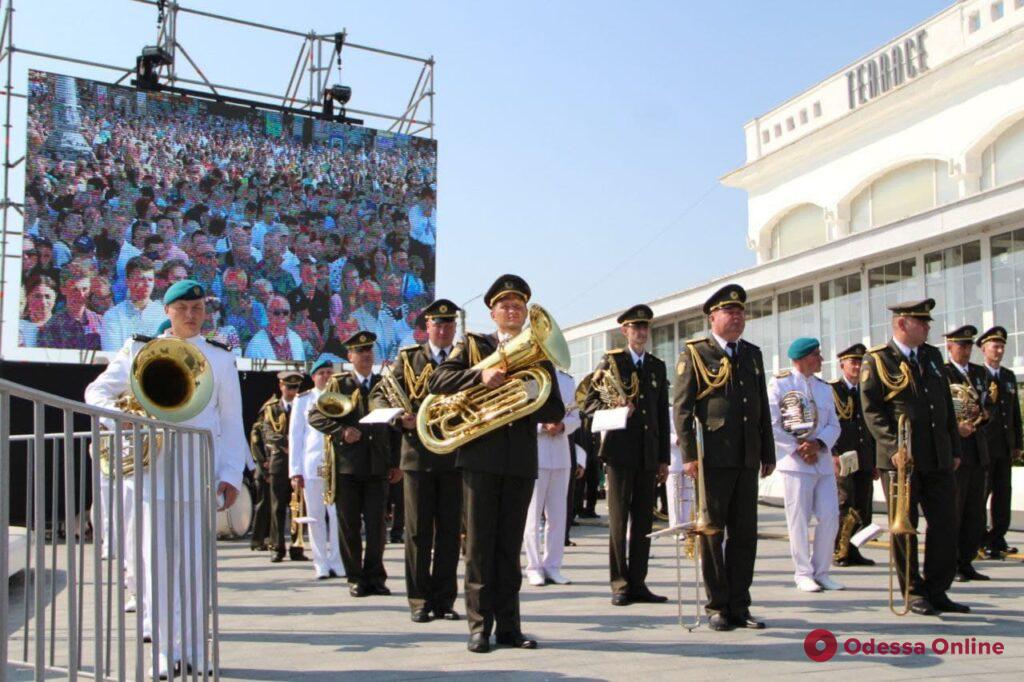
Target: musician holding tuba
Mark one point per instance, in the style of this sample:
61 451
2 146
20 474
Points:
432 484
207 380
636 457
305 455
968 385
499 466
721 384
805 427
362 468
905 378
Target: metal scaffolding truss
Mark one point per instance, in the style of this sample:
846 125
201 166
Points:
303 92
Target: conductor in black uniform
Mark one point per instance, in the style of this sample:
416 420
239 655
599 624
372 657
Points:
971 474
498 472
433 486
906 377
721 382
636 457
857 489
362 468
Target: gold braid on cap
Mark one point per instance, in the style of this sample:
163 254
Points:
712 380
844 409
895 384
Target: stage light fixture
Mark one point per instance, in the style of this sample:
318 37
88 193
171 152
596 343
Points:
147 65
341 94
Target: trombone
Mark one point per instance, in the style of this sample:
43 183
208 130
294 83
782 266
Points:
899 513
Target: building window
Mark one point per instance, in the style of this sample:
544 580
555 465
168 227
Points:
790 124
765 137
778 130
889 284
953 278
662 345
901 193
796 316
1003 160
1008 292
688 329
801 229
817 109
760 330
996 11
842 318
803 116
973 22
579 354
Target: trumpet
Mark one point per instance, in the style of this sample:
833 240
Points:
335 405
899 513
447 422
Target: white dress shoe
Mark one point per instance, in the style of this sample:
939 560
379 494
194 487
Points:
130 605
807 585
557 578
535 578
828 584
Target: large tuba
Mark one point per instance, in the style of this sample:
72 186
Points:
900 527
335 405
447 422
170 380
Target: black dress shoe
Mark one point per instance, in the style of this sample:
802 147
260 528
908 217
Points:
277 558
944 604
861 560
479 643
396 539
719 623
648 597
381 590
357 590
993 554
621 600
332 574
421 616
842 563
745 620
296 554
923 607
446 614
322 577
515 640
588 514
175 673
570 543
972 574
962 577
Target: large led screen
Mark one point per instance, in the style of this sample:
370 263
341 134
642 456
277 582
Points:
303 231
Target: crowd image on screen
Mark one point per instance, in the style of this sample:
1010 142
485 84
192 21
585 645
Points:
302 231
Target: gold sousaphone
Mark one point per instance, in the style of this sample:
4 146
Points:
447 422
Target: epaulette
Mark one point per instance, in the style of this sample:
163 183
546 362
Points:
410 349
875 349
693 342
270 401
782 374
142 338
218 344
615 351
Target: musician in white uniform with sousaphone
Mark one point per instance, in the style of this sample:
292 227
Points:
213 401
805 427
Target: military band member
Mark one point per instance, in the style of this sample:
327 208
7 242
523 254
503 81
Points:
433 486
806 428
1003 433
971 474
185 307
636 457
721 382
363 469
305 455
273 422
856 490
262 493
906 377
590 442
498 471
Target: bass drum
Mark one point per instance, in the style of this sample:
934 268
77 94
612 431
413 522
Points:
234 523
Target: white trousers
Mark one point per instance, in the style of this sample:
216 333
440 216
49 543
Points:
679 487
185 553
808 495
323 535
549 503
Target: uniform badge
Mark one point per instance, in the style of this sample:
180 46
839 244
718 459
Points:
654 382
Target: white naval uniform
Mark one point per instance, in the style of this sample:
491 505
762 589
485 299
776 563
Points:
305 454
551 489
678 486
223 417
808 489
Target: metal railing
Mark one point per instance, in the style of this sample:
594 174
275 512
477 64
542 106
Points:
154 534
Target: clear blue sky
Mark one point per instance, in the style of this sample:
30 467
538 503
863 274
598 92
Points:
570 133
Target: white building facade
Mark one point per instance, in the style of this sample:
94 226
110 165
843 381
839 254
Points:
900 176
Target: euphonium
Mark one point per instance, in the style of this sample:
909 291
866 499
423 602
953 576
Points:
170 380
899 512
335 405
393 391
447 422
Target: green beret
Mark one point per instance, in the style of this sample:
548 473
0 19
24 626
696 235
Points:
164 326
320 364
185 290
802 347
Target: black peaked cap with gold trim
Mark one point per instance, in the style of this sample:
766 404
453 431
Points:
964 334
996 333
922 309
441 310
857 350
504 285
290 377
360 339
639 314
730 294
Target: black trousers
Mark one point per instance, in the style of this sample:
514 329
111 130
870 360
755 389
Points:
999 487
359 500
261 510
970 511
729 570
855 492
631 495
280 496
434 519
935 493
396 504
591 479
496 507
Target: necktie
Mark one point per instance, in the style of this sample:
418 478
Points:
731 345
366 384
914 364
639 365
443 355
